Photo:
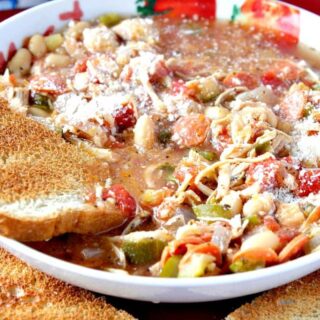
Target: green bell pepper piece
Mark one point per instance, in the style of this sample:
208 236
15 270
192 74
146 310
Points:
143 251
171 267
243 265
212 211
109 19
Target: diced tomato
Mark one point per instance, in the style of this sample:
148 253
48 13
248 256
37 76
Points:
50 84
123 199
268 173
240 79
293 248
270 78
292 106
191 130
224 135
286 234
160 72
81 66
124 117
209 248
181 249
282 73
308 182
286 70
181 172
178 87
271 223
91 197
13 79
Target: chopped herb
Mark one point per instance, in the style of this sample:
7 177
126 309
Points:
212 211
164 136
208 155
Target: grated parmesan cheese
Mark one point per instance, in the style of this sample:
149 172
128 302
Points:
305 147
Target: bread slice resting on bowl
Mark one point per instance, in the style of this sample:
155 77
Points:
44 182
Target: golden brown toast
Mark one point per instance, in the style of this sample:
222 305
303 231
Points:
44 181
297 300
28 294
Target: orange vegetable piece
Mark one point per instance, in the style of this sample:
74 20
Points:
293 247
191 130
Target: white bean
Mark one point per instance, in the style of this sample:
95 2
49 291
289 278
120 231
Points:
99 39
290 215
57 60
144 135
260 204
232 200
20 64
265 239
76 29
37 46
216 113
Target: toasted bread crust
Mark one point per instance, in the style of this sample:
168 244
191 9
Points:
297 300
28 294
92 220
36 163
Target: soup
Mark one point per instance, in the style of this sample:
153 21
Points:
210 130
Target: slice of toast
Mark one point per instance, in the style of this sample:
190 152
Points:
44 181
297 300
28 294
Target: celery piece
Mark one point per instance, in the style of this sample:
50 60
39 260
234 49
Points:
196 266
109 19
54 41
212 211
254 220
208 155
171 267
144 251
243 265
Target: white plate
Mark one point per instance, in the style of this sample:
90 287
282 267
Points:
38 19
